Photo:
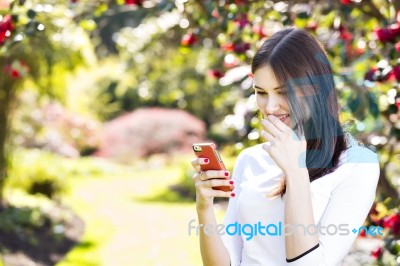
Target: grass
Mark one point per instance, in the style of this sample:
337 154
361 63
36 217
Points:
124 229
131 215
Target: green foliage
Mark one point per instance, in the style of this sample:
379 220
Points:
184 190
181 55
34 223
12 219
40 172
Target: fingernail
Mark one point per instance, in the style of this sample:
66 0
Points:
231 182
232 194
226 173
206 160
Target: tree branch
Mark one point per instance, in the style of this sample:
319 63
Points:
384 186
373 10
396 5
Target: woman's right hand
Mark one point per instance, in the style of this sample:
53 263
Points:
204 182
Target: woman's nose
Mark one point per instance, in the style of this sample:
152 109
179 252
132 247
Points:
272 105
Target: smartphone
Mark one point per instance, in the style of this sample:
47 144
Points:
209 150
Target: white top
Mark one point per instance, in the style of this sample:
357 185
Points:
342 197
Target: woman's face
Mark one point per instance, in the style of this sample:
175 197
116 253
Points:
270 95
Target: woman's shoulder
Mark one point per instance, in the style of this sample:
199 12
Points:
358 165
357 153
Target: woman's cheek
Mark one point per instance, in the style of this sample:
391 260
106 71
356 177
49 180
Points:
260 103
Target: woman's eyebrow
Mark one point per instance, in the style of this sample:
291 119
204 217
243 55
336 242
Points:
257 87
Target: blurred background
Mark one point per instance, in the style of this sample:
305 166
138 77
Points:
100 102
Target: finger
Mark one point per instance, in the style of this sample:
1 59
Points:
225 194
197 162
267 136
278 124
215 174
200 176
267 147
271 128
219 182
196 176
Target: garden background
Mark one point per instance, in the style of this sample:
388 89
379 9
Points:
100 102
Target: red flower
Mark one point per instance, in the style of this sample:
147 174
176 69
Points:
6 27
259 30
345 34
370 75
362 233
398 108
390 76
188 39
312 26
229 47
397 47
392 222
376 253
13 72
240 2
345 2
242 22
216 74
398 17
215 13
241 48
17 69
396 72
387 34
134 2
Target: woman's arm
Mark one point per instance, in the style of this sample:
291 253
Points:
298 210
213 251
212 248
350 202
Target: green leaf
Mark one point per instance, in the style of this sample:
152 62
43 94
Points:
31 14
395 132
392 109
88 25
356 107
303 15
373 105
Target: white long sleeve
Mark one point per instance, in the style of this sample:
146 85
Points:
234 243
342 198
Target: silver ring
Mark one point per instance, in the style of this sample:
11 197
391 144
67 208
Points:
201 175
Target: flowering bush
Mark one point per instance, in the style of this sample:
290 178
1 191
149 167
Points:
148 131
50 127
389 220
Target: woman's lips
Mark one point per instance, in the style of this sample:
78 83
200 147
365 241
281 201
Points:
283 117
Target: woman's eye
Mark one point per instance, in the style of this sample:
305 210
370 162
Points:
261 93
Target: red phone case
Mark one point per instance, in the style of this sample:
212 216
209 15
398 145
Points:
208 150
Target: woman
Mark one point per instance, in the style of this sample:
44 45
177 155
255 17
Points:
310 173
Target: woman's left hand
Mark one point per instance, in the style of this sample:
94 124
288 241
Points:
284 146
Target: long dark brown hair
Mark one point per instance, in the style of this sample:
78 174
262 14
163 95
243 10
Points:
299 62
